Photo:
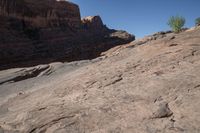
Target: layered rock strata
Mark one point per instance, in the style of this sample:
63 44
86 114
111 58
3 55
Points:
41 31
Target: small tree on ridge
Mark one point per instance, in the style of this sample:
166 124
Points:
176 23
197 22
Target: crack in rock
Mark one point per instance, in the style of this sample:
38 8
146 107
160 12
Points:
26 74
36 129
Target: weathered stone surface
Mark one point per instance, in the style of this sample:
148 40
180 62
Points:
162 111
42 31
148 88
42 13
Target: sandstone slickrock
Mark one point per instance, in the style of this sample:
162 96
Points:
41 31
153 87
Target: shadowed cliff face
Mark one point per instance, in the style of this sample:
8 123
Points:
42 13
41 31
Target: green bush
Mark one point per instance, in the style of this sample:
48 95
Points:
197 22
176 23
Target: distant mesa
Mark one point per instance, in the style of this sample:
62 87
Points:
41 31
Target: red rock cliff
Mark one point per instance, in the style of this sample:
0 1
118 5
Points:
42 13
40 31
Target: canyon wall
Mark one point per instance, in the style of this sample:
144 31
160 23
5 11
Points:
41 31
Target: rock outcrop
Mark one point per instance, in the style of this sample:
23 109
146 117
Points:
94 24
39 31
148 87
42 13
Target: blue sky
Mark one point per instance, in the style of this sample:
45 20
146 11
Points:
140 17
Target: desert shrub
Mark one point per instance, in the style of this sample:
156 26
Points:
197 21
176 23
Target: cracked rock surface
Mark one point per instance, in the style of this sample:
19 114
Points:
147 86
